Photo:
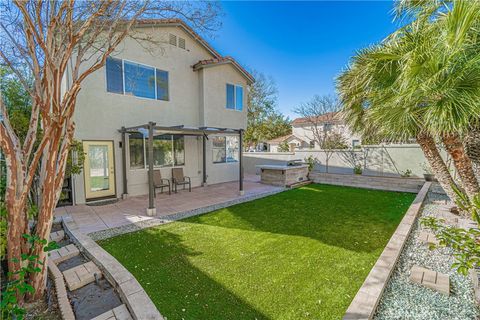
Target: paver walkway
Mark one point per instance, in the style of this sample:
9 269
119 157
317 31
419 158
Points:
430 279
81 275
64 253
133 209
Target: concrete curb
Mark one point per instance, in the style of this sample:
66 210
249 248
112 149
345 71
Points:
366 300
131 292
61 291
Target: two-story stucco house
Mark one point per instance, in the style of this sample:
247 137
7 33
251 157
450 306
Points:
303 129
176 87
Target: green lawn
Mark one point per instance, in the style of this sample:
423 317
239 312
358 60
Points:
300 254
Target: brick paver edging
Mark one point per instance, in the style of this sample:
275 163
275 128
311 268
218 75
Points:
131 292
112 232
61 291
366 300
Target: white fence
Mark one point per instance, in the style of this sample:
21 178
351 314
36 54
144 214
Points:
375 160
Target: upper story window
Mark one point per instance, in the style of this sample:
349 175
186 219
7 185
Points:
130 78
234 97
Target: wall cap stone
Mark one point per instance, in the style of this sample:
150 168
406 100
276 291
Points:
365 302
61 291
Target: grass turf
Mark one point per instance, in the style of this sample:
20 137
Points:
300 254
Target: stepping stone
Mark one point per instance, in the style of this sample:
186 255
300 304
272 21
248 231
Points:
428 237
431 279
118 313
81 275
64 253
57 236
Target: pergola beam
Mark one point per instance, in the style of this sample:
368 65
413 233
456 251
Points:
182 130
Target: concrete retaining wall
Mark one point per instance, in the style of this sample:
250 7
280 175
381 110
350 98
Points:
412 185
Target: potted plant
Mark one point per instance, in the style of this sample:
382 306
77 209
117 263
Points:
406 174
428 174
357 169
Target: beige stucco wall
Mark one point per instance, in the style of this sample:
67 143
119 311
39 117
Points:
214 84
196 98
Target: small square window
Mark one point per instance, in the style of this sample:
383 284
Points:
172 39
181 43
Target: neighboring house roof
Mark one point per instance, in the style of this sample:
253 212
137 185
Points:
284 138
223 60
217 60
333 117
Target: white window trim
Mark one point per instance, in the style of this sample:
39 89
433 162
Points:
145 159
234 97
123 80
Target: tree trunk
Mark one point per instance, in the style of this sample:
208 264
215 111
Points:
439 168
53 165
463 164
16 217
472 144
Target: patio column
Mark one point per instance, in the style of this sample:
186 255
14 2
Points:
240 158
204 156
124 164
151 203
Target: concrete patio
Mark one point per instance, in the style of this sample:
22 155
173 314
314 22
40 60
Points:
132 210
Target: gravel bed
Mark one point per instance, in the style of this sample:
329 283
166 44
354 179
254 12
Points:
404 300
112 232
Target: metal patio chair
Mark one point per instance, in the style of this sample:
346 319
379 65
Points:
160 183
178 179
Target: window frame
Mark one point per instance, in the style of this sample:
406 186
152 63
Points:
235 86
123 80
225 149
145 155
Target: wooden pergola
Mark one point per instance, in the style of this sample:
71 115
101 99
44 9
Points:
154 130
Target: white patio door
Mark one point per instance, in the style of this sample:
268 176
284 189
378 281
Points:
99 169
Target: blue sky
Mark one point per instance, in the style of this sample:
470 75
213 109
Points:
302 45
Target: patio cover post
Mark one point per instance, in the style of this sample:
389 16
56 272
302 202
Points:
151 204
124 164
204 164
240 158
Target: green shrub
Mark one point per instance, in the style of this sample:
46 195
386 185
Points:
357 169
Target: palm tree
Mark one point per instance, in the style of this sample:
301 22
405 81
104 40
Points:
423 81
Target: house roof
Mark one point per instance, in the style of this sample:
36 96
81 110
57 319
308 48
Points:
334 117
223 60
217 59
284 138
178 23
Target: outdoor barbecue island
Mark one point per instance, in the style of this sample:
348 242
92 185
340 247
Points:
283 175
